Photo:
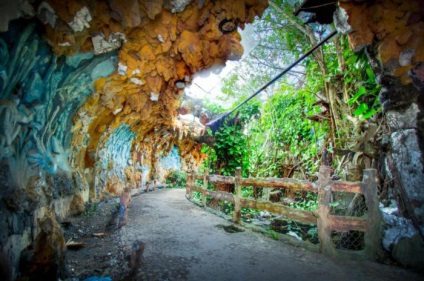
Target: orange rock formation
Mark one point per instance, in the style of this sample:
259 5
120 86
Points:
160 46
396 25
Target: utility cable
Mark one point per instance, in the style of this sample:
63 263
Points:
216 123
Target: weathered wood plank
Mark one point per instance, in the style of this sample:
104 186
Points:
263 182
205 186
343 186
221 179
189 184
197 188
197 177
279 183
347 223
326 245
374 234
290 213
220 195
237 197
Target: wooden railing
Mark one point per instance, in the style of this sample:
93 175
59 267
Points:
370 223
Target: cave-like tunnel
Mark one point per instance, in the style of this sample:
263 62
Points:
92 102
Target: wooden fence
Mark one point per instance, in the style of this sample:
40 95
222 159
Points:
327 223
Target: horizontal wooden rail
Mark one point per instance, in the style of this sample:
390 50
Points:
262 182
221 179
277 182
197 177
295 214
346 223
343 186
219 195
215 178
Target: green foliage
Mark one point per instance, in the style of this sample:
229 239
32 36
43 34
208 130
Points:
226 207
366 96
210 161
310 203
197 196
247 192
248 213
274 235
176 179
230 148
282 132
212 107
282 136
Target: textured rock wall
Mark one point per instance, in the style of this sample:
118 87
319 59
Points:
39 94
112 160
89 92
161 45
393 33
160 51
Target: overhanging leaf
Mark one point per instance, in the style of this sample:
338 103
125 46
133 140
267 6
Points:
370 74
369 113
363 107
352 59
361 91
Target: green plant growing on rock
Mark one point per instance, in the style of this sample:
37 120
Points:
90 209
274 235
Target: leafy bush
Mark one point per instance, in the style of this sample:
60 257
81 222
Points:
176 179
226 207
197 196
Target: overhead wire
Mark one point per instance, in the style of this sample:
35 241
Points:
235 69
215 124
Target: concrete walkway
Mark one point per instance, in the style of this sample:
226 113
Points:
183 242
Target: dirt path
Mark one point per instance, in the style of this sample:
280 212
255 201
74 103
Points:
183 242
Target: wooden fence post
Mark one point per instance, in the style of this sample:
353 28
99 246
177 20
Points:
237 195
189 184
326 246
373 234
205 186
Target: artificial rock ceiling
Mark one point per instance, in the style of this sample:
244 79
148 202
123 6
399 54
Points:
105 68
93 89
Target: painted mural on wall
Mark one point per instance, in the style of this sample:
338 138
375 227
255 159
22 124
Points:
40 94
